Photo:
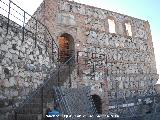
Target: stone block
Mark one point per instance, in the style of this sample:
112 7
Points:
4 47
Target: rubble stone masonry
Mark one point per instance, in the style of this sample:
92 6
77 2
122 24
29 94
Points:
23 66
113 64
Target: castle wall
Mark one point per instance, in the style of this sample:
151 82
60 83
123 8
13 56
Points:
115 65
23 66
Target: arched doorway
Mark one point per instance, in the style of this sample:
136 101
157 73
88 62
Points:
98 103
66 47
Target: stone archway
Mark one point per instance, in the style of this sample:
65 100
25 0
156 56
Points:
97 102
66 47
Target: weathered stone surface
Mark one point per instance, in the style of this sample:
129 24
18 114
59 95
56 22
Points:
127 63
124 56
14 57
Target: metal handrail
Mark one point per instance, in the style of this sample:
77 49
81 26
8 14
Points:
23 15
10 1
69 59
52 73
43 85
29 98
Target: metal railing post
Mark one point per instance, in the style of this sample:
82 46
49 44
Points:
52 51
77 56
9 10
34 30
23 27
15 117
58 68
36 34
42 102
70 82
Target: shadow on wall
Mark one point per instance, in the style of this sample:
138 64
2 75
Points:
98 103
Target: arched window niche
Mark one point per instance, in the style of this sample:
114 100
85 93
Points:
127 28
111 24
66 48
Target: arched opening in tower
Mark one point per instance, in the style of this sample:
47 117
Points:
66 47
98 103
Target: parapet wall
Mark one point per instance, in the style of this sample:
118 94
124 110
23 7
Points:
23 66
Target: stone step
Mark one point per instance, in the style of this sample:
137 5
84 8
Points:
77 98
31 108
39 100
36 100
29 116
32 105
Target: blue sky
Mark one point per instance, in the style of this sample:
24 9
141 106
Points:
142 9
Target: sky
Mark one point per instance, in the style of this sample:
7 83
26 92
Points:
142 9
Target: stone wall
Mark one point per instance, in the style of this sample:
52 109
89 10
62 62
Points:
24 65
157 87
115 65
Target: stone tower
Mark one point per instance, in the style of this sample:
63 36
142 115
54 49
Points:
111 53
114 53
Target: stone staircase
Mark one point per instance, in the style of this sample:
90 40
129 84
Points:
71 101
75 101
36 103
34 108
